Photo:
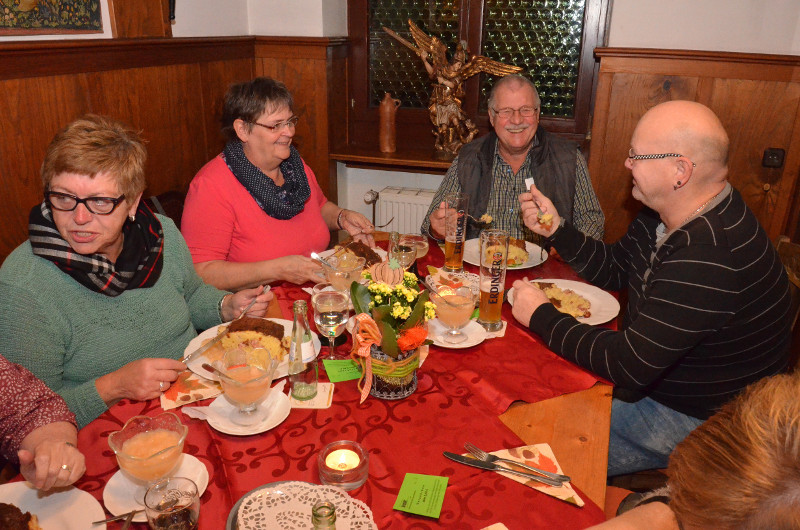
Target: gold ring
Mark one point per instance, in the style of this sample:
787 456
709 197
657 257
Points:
65 467
162 386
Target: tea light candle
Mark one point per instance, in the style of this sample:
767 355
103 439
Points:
342 460
344 464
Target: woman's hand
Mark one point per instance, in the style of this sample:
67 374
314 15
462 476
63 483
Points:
48 457
234 304
297 269
527 300
139 380
358 226
542 219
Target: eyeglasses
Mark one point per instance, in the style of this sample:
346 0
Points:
64 202
289 124
634 156
507 112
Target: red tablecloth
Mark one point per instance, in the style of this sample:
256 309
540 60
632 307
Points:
460 394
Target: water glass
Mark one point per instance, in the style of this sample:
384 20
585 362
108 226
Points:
455 224
493 256
331 310
172 504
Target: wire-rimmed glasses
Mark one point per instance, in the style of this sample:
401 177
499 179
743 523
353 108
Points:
289 124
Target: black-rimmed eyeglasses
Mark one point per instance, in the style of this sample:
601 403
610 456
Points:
289 124
634 156
64 202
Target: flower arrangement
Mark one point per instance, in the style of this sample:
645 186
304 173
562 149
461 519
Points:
399 309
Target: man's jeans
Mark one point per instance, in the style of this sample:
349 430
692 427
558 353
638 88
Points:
643 434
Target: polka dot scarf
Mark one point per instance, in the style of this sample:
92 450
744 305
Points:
279 202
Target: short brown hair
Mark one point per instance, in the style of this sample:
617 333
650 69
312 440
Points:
95 144
249 100
741 468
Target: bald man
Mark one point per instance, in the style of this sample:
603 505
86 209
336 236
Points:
708 299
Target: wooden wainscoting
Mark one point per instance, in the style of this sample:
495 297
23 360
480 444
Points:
757 97
171 89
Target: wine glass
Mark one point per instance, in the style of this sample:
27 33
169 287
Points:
245 377
454 307
331 310
418 241
148 448
404 252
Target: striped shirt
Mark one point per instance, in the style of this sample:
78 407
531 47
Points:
708 308
504 199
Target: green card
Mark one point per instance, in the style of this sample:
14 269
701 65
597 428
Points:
341 370
421 495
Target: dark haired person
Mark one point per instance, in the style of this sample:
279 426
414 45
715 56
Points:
255 213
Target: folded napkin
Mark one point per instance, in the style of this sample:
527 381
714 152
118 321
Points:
499 333
220 412
188 388
541 456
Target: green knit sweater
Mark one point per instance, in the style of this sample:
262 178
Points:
68 335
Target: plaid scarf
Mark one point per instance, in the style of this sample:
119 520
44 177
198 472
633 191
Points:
279 202
138 265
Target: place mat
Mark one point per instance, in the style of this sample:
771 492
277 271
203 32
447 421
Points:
188 388
541 456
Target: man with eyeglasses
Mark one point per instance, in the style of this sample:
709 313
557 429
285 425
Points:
492 169
708 299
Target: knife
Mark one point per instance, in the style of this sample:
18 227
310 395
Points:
480 464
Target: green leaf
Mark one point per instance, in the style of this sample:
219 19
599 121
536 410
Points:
360 297
418 313
388 340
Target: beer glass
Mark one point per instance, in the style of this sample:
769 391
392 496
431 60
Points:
455 222
494 256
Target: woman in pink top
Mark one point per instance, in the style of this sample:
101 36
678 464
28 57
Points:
255 213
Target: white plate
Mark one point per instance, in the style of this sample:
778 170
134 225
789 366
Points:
603 308
120 491
536 256
196 364
60 509
474 331
278 412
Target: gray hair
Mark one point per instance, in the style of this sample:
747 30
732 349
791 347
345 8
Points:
513 79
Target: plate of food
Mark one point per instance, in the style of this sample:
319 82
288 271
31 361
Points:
587 303
273 334
438 278
521 254
358 249
64 508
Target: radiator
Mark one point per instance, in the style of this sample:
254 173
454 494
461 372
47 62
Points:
407 206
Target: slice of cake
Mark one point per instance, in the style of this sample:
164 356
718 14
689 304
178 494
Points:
12 518
363 251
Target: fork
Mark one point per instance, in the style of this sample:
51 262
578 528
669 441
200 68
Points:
486 457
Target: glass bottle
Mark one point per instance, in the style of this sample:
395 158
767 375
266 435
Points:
323 515
303 376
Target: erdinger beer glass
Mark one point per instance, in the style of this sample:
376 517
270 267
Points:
494 256
455 221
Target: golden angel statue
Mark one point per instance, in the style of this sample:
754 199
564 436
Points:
452 128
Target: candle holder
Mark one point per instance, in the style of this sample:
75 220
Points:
344 464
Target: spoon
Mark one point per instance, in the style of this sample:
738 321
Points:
249 306
322 260
211 368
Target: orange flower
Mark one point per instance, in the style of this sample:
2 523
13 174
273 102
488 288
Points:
411 339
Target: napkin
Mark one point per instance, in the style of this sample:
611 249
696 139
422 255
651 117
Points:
188 388
541 456
499 333
214 413
322 400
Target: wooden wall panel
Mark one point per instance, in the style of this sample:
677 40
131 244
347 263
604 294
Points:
33 110
756 96
157 101
740 104
216 77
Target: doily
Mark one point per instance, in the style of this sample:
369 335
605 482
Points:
287 505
